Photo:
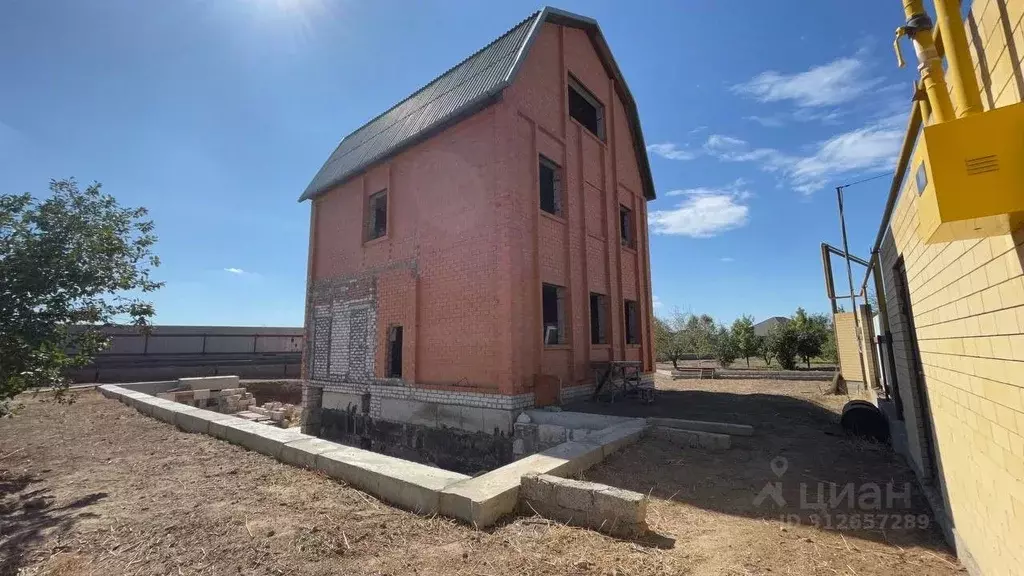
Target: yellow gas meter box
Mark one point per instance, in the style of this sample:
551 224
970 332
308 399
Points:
969 175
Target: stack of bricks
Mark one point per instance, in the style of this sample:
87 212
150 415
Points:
227 401
274 413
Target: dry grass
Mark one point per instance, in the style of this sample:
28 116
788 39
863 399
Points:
96 488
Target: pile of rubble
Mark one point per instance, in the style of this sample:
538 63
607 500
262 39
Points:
239 402
283 415
226 401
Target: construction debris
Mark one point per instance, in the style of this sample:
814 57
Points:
239 402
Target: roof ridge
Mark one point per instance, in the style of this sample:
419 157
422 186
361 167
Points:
438 77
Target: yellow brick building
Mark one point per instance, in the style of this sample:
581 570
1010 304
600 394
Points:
956 316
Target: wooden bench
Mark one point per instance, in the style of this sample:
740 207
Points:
699 372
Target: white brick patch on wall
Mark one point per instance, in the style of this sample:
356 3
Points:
474 399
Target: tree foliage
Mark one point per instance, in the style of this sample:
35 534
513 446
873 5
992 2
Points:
782 343
699 335
70 263
744 339
812 333
725 347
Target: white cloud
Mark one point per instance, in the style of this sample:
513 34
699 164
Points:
871 148
767 121
706 212
671 151
839 81
726 259
657 301
238 271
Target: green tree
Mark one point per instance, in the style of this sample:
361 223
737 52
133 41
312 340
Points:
829 351
699 335
668 338
70 263
783 344
764 349
744 338
725 348
812 333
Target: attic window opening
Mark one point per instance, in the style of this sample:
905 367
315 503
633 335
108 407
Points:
550 187
586 109
377 216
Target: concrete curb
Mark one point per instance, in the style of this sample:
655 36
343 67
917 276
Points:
692 438
480 501
700 426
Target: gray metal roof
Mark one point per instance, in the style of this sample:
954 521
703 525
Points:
471 85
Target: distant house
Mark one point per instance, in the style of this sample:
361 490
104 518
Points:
762 327
476 247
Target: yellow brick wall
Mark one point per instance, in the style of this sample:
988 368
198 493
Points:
967 305
850 362
846 345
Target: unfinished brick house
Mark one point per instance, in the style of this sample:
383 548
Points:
476 247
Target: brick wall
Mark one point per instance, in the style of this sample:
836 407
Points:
467 246
579 250
846 344
962 386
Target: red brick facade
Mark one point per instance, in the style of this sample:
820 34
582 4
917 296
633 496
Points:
467 246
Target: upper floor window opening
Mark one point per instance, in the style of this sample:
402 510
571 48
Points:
586 109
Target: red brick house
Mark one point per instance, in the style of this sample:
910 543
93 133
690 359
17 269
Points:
474 248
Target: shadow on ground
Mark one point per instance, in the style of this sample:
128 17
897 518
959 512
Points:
29 518
797 460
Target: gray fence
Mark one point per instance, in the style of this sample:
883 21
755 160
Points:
167 352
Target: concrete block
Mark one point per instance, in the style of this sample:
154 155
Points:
165 410
613 438
408 411
107 390
548 434
621 505
412 486
197 420
201 394
576 457
578 433
260 438
618 512
692 438
341 401
701 426
209 382
303 452
449 416
573 494
576 419
481 501
495 419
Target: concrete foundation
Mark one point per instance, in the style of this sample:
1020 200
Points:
480 501
692 438
621 513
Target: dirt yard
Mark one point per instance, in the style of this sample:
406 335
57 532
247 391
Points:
96 488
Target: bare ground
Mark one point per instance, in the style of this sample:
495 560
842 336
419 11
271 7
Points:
96 488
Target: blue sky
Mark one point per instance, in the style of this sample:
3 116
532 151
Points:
215 114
